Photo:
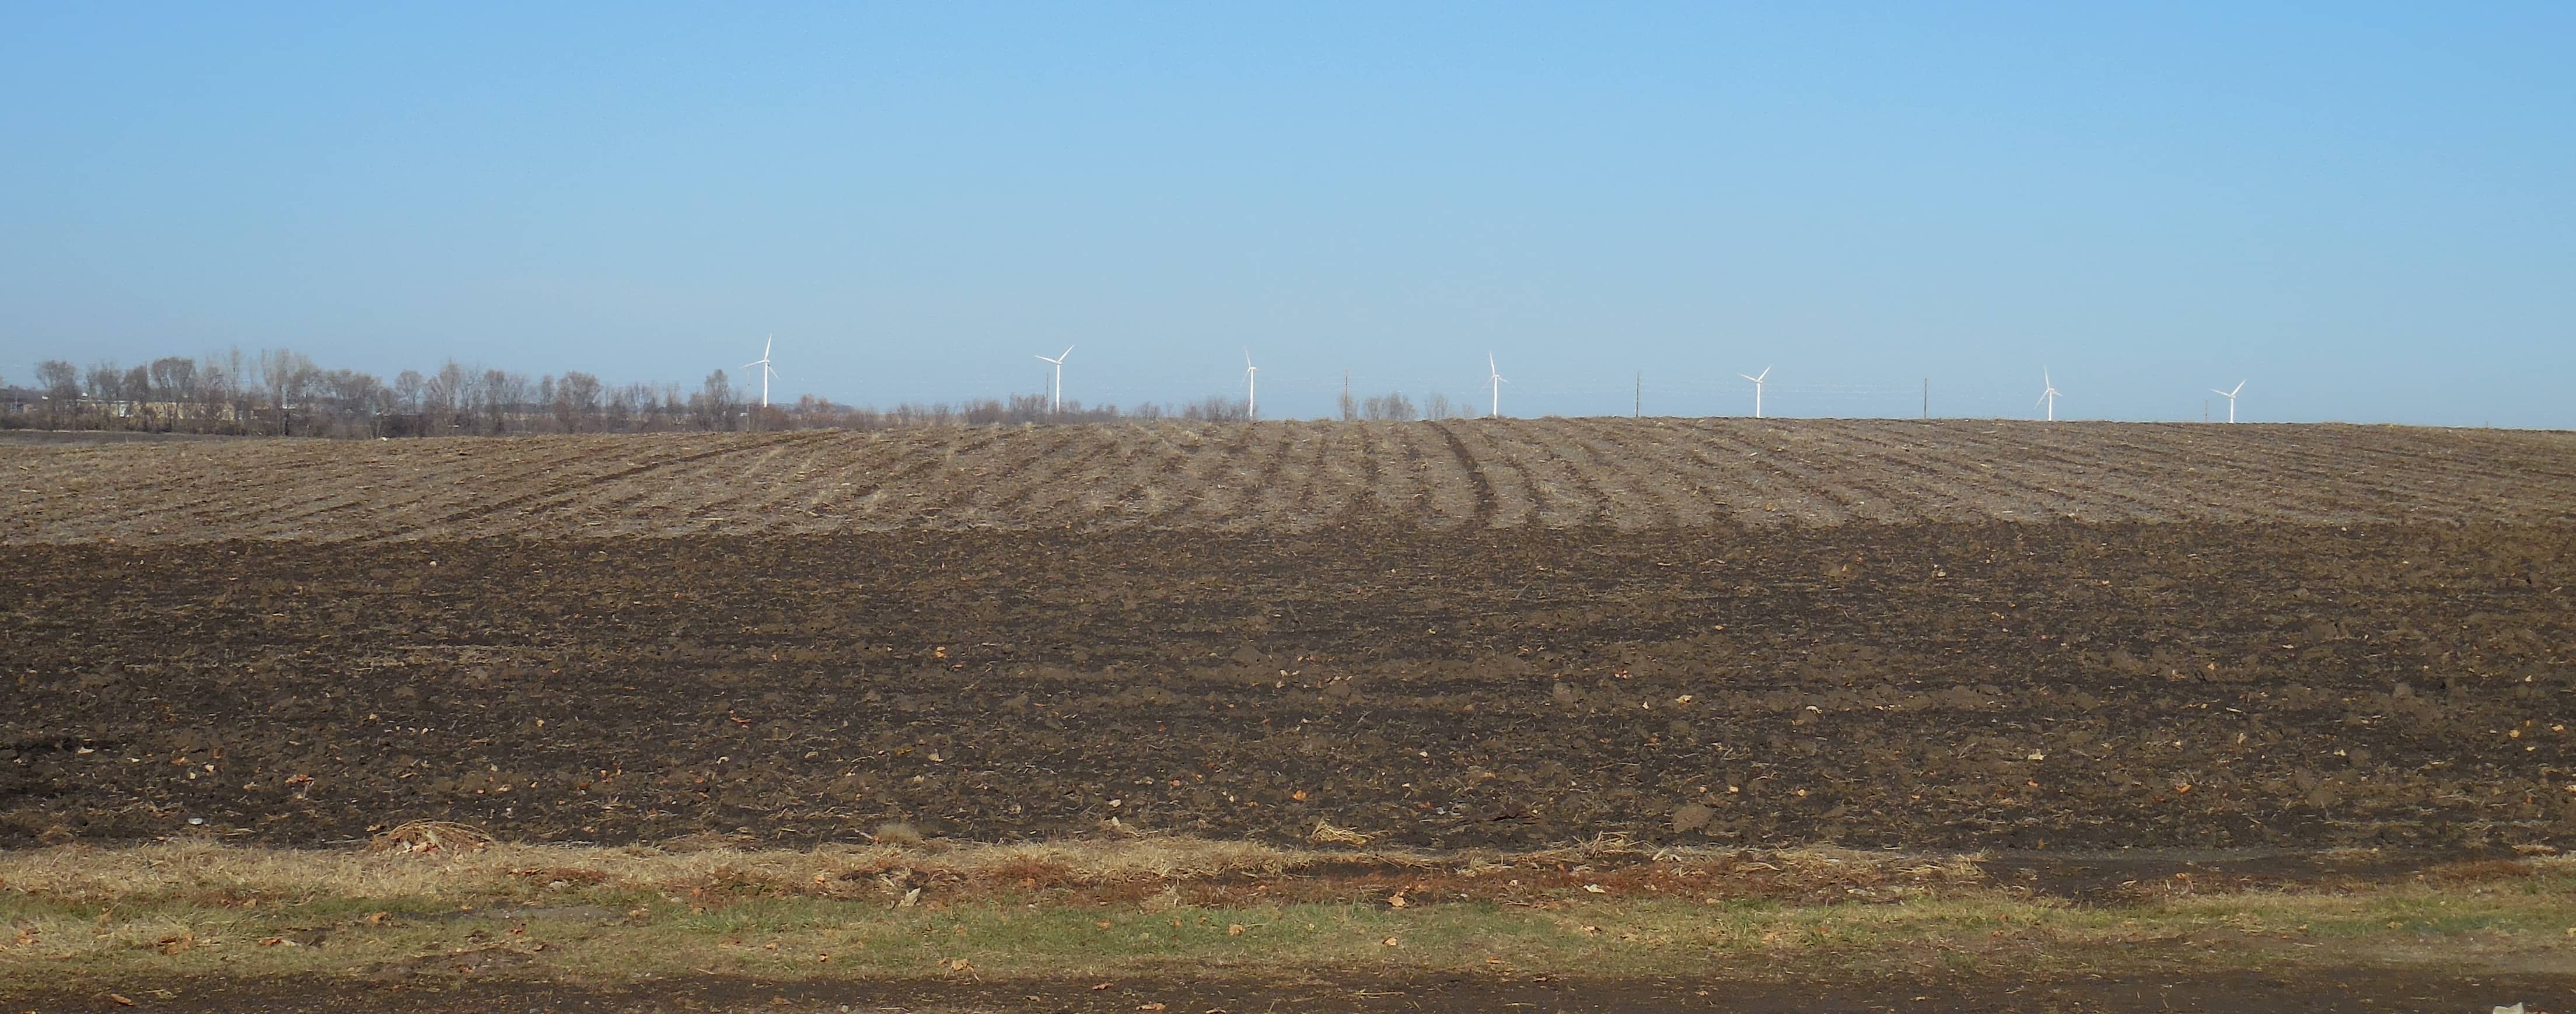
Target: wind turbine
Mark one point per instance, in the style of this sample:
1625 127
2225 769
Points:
2230 395
1496 410
1251 390
765 371
1757 389
1055 402
2048 394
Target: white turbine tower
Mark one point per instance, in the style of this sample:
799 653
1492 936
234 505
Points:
1757 389
1055 401
1495 410
765 371
2230 395
1251 390
2048 394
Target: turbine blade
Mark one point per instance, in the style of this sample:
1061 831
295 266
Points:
1068 350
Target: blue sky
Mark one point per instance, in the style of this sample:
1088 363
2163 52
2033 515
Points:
2363 209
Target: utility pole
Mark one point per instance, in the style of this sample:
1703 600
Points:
1927 397
2204 410
1639 410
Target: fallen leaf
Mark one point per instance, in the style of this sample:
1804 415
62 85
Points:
1149 1006
1595 889
1395 901
121 999
1390 941
1235 930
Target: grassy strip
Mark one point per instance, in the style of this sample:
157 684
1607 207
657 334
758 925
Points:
166 912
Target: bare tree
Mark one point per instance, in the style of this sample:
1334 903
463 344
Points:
280 391
443 397
174 378
214 389
576 402
238 385
715 405
1438 407
1217 408
288 379
675 407
504 398
628 407
60 381
356 399
1392 406
106 381
407 387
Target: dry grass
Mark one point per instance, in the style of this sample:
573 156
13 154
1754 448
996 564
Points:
1159 904
455 861
425 836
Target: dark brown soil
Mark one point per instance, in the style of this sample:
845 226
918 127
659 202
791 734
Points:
2265 993
2040 686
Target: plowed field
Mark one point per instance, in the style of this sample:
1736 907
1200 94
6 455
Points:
1285 478
1928 635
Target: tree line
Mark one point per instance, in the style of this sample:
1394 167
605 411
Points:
280 392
